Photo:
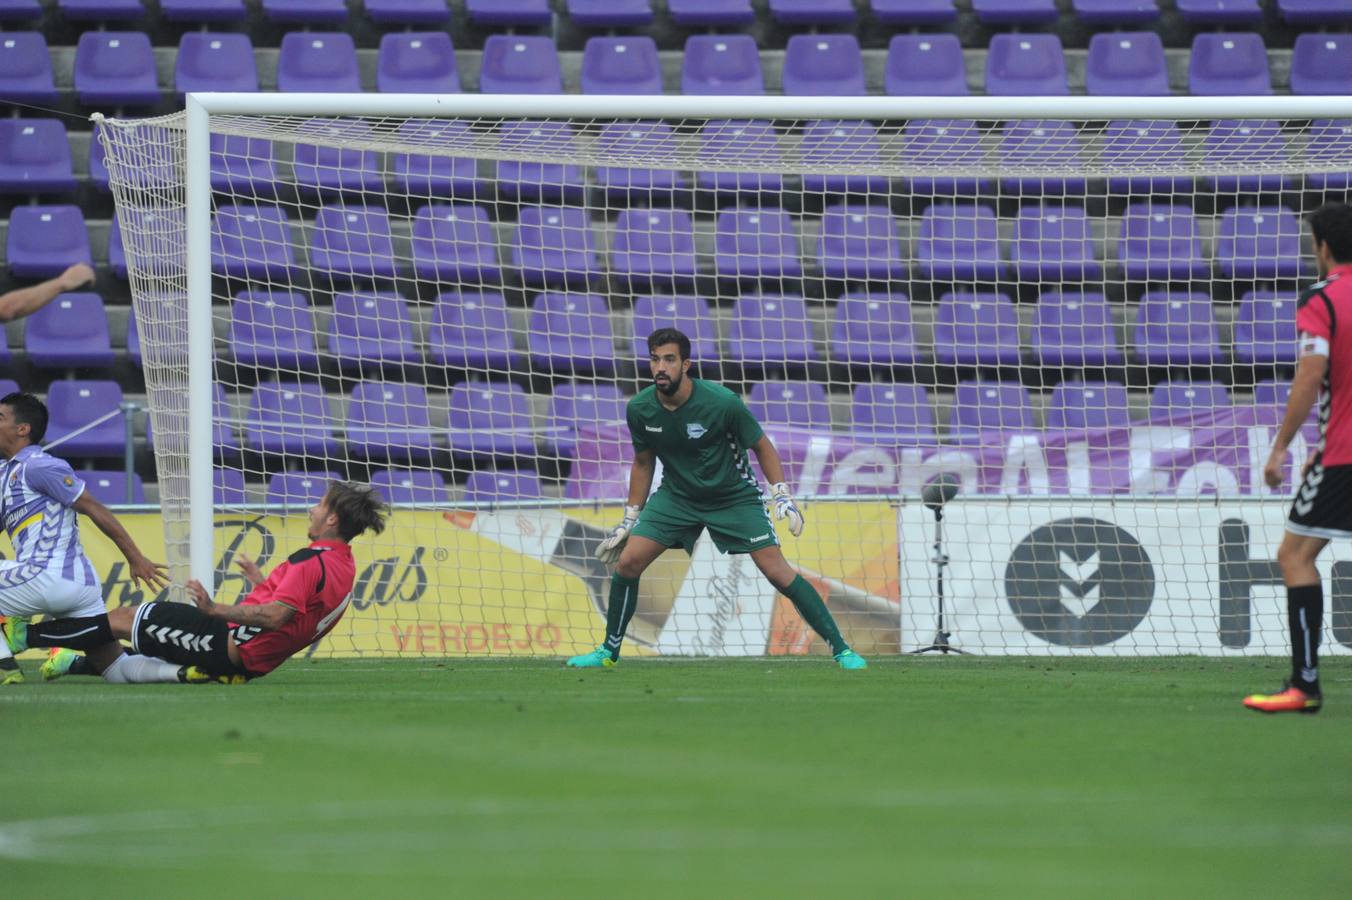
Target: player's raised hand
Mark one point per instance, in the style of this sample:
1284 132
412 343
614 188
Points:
250 569
785 508
609 549
154 575
199 596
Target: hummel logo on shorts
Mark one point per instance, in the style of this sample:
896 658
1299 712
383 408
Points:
759 537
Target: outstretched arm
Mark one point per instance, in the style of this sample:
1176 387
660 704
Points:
26 301
141 568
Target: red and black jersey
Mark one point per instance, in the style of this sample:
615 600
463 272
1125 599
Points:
317 583
1324 321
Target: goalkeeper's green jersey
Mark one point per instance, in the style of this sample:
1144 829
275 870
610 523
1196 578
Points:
702 444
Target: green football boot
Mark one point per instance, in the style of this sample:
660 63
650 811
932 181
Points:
848 659
599 658
58 663
194 675
16 633
11 676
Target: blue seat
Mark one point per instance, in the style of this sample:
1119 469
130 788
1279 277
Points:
771 331
499 485
455 243
653 247
978 328
272 330
1116 12
1314 12
243 166
739 143
798 404
26 68
1160 242
1026 64
1240 146
574 406
1053 243
621 65
351 241
72 405
939 145
689 314
1146 144
417 62
859 242
538 182
555 247
215 61
70 332
253 242
113 487
408 12
1177 328
1265 328
1045 144
570 334
471 330
610 13
326 12
1227 64
1322 64
823 65
159 242
958 242
371 329
715 13
829 143
20 10
520 64
873 328
1088 406
388 421
813 12
1015 12
318 61
1073 329
914 12
760 243
637 140
1126 63
1220 12
333 168
292 419
721 64
1329 142
428 175
491 419
44 240
895 414
981 407
35 157
509 12
418 486
115 68
1180 398
101 10
925 65
1258 242
203 10
299 489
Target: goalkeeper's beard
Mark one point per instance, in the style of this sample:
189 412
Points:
672 386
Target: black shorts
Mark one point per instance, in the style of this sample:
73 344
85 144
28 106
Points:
1323 505
179 633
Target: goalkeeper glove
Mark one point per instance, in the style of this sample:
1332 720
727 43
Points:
785 508
609 550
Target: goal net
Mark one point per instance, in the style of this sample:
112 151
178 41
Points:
1076 312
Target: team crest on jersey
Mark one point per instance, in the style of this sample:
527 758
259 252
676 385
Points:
70 482
694 431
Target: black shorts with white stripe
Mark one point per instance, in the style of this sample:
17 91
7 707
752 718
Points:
181 634
1323 504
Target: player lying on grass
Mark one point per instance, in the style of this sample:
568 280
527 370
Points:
41 500
293 607
701 431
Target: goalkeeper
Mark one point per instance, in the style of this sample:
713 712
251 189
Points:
701 432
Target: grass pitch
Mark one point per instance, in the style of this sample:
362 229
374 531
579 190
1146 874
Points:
966 777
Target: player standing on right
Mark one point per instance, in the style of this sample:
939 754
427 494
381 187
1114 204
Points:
701 431
1323 505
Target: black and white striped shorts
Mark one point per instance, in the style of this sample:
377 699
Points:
179 633
1323 504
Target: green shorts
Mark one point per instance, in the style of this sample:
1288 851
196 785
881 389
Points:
742 527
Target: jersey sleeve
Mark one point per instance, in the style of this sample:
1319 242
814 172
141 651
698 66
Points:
636 430
1313 319
742 423
54 478
299 585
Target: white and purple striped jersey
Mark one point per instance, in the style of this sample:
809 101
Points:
35 499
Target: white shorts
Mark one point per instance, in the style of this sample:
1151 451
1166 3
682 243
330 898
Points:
27 590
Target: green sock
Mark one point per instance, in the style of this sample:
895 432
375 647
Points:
814 612
620 609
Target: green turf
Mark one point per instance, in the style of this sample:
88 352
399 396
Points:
960 777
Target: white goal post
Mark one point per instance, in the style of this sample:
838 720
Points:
1036 520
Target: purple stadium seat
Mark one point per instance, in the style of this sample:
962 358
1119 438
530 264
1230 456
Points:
914 12
958 242
539 182
1088 406
1228 64
408 12
574 405
1185 399
133 342
1272 392
873 328
290 418
976 329
689 314
499 485
1219 12
1330 140
701 13
427 175
831 143
621 65
471 330
111 487
454 243
637 139
570 334
35 157
273 330
1074 330
743 143
1265 328
326 168
1314 12
653 246
555 246
26 69
756 243
1145 144
72 405
203 10
101 10
823 65
252 242
318 61
520 64
1054 243
1026 64
296 489
989 406
115 68
1042 144
417 62
610 13
892 414
860 242
509 12
812 12
1126 63
1014 12
1116 12
1176 328
721 64
70 332
770 331
214 61
801 404
490 418
243 165
20 10
1160 242
388 421
351 241
1322 64
420 486
939 145
370 329
925 65
44 240
1258 242
328 12
1239 145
